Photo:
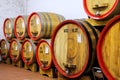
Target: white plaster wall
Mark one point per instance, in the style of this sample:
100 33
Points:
10 8
71 9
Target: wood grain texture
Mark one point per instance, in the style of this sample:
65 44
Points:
72 48
83 77
43 24
15 50
99 8
45 54
33 67
4 49
100 3
96 23
111 50
28 52
35 26
21 27
19 63
9 28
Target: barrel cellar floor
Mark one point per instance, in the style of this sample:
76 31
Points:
10 72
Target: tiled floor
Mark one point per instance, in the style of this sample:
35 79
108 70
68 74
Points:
10 72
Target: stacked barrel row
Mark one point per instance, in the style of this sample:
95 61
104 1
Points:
36 26
28 38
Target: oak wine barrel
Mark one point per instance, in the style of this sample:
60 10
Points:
4 49
74 47
108 49
42 24
28 52
20 27
102 9
8 28
15 50
44 54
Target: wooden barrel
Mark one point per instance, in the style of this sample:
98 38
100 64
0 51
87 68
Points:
99 25
102 9
73 47
108 49
20 27
28 52
8 28
42 24
44 54
15 50
4 49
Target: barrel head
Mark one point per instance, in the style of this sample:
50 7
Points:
101 9
8 29
44 55
4 49
34 26
20 27
27 52
15 50
71 50
108 49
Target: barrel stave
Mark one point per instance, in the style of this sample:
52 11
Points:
43 24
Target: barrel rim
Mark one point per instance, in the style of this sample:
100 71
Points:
24 60
29 33
5 57
8 38
99 17
38 60
99 47
11 53
53 56
20 38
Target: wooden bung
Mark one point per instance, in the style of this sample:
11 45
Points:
42 24
74 47
102 9
108 49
